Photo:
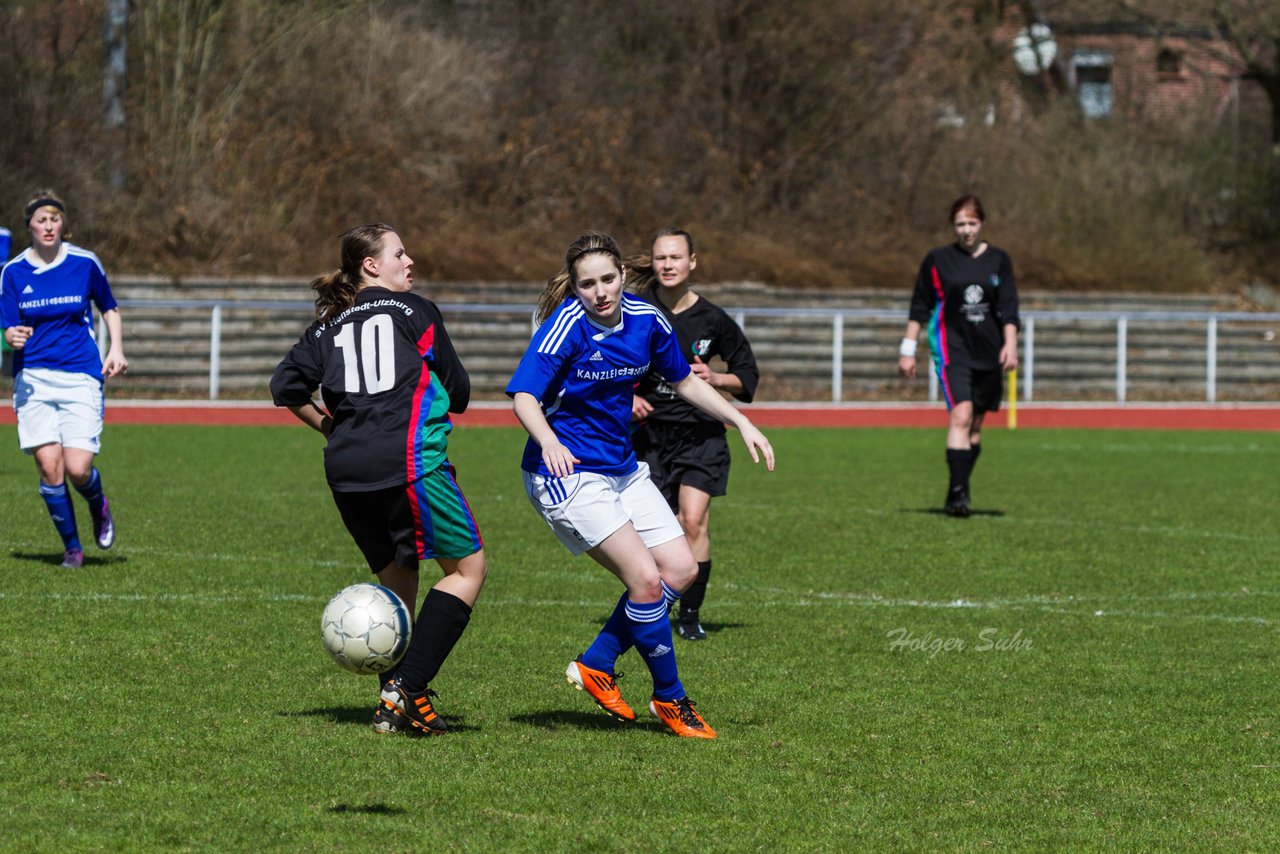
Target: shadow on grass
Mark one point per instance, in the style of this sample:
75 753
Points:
363 716
367 809
938 511
54 560
557 718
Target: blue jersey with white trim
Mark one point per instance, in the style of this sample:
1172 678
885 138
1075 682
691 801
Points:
6 240
584 374
56 300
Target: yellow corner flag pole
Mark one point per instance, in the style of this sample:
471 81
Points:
1013 399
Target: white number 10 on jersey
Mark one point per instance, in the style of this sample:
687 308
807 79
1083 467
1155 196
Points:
376 354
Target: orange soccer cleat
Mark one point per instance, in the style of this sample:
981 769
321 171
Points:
603 688
683 719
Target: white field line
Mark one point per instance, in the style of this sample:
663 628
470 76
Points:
1074 606
1035 603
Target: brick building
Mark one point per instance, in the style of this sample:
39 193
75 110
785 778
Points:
1179 73
1133 70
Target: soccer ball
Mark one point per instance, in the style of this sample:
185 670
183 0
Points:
366 628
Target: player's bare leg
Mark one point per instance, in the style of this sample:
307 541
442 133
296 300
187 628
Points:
53 489
645 571
402 581
464 576
695 517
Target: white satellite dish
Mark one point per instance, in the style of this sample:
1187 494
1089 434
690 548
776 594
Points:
1034 49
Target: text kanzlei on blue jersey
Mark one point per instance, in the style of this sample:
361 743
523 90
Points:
584 374
56 300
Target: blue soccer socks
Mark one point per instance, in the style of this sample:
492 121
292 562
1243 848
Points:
651 634
614 639
91 491
61 512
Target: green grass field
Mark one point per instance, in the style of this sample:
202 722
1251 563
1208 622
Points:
1089 662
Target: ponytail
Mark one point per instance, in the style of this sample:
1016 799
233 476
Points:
558 287
641 276
336 292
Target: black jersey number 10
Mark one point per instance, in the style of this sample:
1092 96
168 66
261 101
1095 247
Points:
374 356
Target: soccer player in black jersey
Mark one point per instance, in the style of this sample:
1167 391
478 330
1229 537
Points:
389 377
966 294
685 448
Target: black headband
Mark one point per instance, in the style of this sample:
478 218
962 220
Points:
44 203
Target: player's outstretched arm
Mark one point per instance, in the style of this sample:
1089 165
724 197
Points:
707 399
558 459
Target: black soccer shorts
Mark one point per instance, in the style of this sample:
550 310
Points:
983 387
695 455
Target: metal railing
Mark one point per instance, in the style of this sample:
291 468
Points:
837 317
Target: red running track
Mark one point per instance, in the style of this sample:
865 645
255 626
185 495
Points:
1085 416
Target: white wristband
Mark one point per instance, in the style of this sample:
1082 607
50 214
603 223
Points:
908 348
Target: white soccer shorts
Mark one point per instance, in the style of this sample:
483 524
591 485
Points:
58 406
585 508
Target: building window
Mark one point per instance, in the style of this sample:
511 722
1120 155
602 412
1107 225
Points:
1092 72
1169 63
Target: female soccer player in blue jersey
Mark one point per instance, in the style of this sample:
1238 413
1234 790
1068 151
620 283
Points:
46 299
966 293
389 378
572 393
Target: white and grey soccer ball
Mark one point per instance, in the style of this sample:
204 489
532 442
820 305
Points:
366 628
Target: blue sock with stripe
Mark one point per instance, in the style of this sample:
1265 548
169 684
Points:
61 512
92 491
651 633
614 639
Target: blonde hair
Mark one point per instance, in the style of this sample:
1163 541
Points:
46 199
559 285
42 199
336 291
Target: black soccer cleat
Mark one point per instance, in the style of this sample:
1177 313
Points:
400 707
958 502
688 627
388 719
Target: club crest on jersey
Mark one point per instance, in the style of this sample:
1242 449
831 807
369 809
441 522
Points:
973 294
701 347
995 280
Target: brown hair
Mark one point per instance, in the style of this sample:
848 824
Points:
968 202
559 285
640 274
336 291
